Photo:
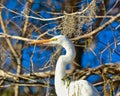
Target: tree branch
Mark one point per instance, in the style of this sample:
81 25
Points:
98 29
5 30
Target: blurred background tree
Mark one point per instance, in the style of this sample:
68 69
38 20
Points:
92 25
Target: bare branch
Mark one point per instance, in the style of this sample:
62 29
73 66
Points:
98 29
5 30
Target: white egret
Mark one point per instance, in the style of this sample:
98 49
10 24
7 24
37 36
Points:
75 88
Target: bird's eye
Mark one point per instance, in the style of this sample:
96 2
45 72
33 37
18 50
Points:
54 39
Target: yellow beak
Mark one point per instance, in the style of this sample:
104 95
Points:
40 41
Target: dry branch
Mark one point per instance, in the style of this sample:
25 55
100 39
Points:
98 29
3 35
107 69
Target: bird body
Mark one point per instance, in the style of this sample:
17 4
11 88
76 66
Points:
81 88
75 88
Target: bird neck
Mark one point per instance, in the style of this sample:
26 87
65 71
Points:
63 60
59 74
70 51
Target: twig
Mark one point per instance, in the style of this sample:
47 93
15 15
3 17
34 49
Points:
98 29
25 84
5 30
116 2
26 12
14 76
60 17
101 83
3 35
7 39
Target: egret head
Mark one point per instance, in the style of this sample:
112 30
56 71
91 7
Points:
59 40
